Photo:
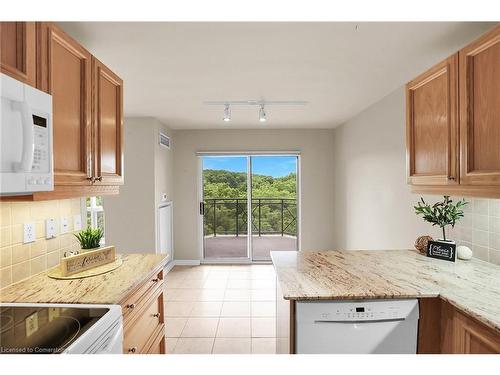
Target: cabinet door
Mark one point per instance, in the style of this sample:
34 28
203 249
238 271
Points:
108 125
17 52
65 73
432 126
480 110
159 345
473 338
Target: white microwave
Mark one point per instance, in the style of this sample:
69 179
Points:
26 164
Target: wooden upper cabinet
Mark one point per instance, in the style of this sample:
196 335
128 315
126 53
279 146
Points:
480 111
432 126
108 125
18 49
64 71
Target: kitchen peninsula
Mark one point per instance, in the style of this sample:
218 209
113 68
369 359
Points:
459 302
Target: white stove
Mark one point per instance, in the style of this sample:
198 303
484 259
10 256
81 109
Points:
27 328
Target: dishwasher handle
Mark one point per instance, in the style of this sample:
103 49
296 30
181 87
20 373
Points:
361 321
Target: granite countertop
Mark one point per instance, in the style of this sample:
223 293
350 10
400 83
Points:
109 288
472 286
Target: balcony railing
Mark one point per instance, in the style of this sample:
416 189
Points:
228 216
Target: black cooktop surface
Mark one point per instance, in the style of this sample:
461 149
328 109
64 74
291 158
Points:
43 330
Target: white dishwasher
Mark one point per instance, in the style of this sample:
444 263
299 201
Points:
361 326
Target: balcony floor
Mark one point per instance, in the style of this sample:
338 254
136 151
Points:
236 247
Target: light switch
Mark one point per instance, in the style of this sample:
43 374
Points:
77 222
50 228
64 225
29 233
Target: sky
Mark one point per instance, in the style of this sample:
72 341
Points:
276 166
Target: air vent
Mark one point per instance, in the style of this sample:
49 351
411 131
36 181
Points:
164 140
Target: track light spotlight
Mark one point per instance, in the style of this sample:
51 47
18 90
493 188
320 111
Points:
262 114
227 113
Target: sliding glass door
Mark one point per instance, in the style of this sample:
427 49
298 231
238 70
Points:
249 206
224 207
274 205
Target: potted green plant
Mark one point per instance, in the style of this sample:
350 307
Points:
442 213
90 238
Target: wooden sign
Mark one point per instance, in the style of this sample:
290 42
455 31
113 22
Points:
87 260
441 250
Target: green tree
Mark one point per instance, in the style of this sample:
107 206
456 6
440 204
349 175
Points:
226 184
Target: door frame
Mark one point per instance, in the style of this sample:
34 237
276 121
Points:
200 233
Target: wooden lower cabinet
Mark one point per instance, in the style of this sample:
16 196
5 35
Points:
471 337
445 329
158 345
144 318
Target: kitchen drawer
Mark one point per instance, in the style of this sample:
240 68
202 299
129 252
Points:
158 344
138 334
134 303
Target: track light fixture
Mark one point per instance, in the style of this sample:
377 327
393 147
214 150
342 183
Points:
261 103
262 114
227 113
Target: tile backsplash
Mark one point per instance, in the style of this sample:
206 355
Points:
479 229
19 261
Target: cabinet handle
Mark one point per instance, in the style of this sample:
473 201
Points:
451 178
132 350
157 315
98 178
91 179
155 280
131 306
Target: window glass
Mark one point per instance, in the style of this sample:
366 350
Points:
95 214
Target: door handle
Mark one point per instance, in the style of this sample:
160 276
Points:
202 208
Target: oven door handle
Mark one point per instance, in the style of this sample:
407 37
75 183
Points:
26 162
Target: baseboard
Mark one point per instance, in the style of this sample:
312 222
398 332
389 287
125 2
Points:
186 262
169 266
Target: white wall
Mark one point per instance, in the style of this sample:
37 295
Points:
373 205
316 179
131 216
164 164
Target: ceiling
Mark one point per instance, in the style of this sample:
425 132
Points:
170 69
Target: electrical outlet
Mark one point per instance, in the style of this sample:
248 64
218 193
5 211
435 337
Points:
31 324
77 222
53 313
50 228
64 225
29 233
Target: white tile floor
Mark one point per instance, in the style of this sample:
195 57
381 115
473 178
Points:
220 309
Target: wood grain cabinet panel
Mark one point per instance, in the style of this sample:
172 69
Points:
18 50
108 124
144 330
480 110
144 317
445 329
471 337
159 345
65 73
432 127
